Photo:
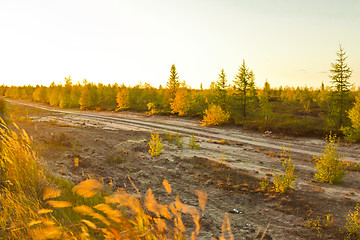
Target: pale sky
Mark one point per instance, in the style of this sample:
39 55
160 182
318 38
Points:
287 42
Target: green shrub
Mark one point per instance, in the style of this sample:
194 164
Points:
330 168
179 140
282 182
193 143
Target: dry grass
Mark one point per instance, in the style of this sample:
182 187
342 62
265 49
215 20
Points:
34 208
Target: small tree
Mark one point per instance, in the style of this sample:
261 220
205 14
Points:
220 90
181 103
244 84
340 75
65 95
155 145
122 98
173 83
264 103
329 166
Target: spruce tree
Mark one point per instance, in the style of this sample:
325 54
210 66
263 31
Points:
221 90
244 84
340 75
173 83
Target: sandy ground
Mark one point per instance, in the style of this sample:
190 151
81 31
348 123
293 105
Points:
113 146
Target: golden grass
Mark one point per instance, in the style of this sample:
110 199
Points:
32 208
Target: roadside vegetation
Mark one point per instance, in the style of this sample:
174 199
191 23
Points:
301 111
330 167
36 205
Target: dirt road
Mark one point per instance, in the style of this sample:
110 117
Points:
248 156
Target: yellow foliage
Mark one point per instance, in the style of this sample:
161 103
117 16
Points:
52 232
214 115
155 144
87 188
122 99
44 211
90 224
330 167
59 204
180 104
51 193
167 186
202 197
112 214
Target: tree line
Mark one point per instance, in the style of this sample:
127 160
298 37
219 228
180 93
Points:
299 111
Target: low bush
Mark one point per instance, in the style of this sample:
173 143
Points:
193 143
330 168
214 115
282 182
353 222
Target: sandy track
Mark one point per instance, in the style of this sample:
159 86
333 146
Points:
304 146
250 151
255 153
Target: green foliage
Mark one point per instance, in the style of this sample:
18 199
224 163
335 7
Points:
264 103
197 102
155 145
282 182
169 137
352 134
353 222
179 140
220 90
330 168
245 85
341 99
90 97
65 99
173 83
193 143
214 115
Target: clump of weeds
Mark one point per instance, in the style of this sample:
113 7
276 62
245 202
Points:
193 143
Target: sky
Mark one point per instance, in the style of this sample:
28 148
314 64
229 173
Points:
287 42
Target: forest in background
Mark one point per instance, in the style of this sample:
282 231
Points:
300 111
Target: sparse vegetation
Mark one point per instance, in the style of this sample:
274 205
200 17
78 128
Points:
193 143
329 166
179 141
282 182
353 222
319 224
34 208
264 184
155 145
